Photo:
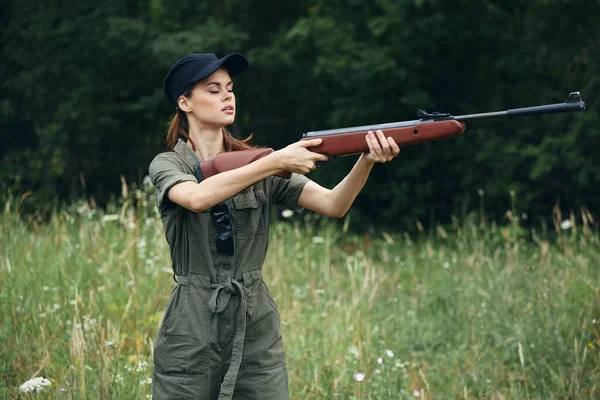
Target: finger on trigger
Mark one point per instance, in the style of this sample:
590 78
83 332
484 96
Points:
318 156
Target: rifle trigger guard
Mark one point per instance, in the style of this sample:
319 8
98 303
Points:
329 162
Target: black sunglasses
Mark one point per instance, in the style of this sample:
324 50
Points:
220 217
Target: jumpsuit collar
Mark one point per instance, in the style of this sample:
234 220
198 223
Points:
184 151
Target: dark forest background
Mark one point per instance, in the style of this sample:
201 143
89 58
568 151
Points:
81 102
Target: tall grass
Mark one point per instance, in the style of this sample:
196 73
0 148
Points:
471 310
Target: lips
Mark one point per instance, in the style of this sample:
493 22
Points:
228 109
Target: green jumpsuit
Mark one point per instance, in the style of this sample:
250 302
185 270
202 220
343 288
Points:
219 337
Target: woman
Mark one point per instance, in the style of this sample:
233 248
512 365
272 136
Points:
220 334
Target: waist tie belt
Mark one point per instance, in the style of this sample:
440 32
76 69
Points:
219 298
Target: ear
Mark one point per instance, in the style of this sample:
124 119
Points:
184 104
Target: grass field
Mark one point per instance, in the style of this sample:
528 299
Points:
466 311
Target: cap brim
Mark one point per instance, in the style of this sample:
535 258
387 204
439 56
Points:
234 63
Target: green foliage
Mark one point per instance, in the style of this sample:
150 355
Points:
82 99
459 312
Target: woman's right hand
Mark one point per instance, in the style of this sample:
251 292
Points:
297 158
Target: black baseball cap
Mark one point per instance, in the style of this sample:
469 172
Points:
195 67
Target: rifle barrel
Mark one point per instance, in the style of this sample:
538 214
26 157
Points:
573 103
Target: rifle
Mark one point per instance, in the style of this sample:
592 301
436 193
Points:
347 141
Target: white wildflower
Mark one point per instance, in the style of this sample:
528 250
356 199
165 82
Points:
378 371
109 344
287 213
146 381
141 245
318 239
141 366
566 224
34 385
110 217
416 393
389 353
359 377
379 360
446 265
89 323
353 350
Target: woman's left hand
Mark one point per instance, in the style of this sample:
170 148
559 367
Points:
381 149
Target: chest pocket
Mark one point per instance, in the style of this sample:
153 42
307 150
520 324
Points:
250 213
200 226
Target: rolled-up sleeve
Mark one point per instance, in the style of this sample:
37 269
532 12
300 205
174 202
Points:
165 172
287 191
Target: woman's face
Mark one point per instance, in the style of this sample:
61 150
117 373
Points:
212 102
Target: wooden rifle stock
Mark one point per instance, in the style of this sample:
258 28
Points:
235 159
346 141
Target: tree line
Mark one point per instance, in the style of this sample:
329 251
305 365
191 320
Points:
82 102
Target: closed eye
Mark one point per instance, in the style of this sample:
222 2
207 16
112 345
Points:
217 91
215 86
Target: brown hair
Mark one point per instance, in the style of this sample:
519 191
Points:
179 129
